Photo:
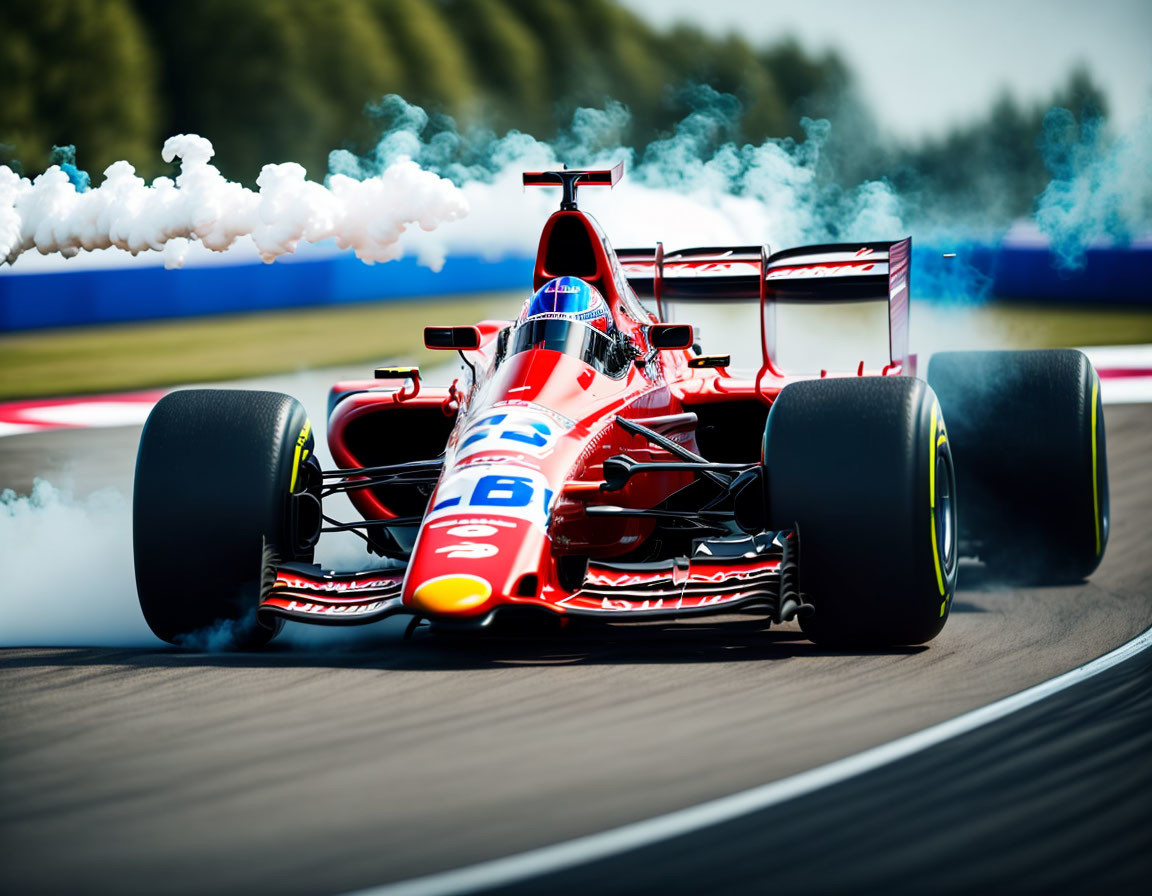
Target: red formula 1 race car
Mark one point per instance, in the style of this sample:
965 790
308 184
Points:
591 460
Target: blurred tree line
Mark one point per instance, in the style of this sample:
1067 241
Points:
291 79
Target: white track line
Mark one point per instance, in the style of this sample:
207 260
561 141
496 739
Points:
583 850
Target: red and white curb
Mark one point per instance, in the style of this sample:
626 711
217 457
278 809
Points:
1125 372
1125 378
44 414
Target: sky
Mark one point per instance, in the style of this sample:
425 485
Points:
923 65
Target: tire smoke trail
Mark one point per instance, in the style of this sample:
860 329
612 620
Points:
66 571
50 214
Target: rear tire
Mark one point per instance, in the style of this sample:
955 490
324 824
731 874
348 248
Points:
213 478
1027 431
862 469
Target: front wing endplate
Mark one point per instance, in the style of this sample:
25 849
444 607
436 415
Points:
305 593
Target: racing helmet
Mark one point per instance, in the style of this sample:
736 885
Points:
569 298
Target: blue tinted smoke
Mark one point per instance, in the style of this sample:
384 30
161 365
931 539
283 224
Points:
65 157
1101 186
701 157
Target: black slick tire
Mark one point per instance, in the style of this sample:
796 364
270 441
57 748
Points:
1027 431
861 468
213 477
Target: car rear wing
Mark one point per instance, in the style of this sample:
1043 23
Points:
571 178
847 272
838 272
731 272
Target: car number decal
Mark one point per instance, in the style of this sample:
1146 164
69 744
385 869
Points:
505 490
512 430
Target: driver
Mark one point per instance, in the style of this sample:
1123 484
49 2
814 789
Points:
569 315
569 298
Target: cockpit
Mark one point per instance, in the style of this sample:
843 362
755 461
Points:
568 315
604 354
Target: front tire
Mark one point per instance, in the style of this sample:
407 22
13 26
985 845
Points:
214 476
862 469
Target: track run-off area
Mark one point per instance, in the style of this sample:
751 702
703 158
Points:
362 759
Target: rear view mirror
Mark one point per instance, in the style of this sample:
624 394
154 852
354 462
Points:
670 336
452 338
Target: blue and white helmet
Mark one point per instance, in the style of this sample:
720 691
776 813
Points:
569 298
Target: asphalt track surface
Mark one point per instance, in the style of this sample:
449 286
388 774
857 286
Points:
144 771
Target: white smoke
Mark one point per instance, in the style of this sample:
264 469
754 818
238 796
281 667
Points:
67 576
66 571
366 215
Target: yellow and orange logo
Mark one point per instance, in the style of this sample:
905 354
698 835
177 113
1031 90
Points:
451 594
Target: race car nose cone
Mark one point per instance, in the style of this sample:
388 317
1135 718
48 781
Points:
450 594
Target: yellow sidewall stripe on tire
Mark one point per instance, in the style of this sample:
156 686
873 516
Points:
934 442
301 441
1095 485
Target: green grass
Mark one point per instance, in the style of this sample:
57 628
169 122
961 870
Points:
936 328
141 355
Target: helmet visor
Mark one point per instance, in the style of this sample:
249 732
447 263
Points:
569 337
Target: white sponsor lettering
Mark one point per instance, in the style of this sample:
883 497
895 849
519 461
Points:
678 269
565 422
696 577
518 459
294 584
472 531
469 550
296 606
682 602
825 270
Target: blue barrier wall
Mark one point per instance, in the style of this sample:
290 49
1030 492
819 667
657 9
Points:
92 296
1033 274
1116 276
72 298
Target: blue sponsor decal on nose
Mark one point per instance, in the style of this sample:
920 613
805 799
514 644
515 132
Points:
503 491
